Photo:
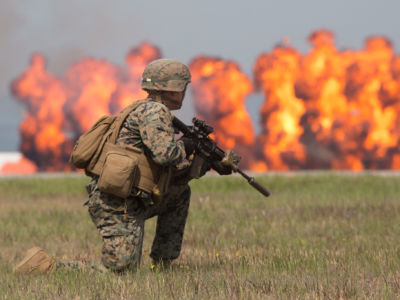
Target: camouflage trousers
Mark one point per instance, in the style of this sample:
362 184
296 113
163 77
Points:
120 223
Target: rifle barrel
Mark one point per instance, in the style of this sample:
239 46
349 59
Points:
252 181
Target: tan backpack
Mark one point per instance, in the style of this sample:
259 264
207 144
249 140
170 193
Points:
89 145
119 167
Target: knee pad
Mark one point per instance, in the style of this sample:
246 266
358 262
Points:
119 254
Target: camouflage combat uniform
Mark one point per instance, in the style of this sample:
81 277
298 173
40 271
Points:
120 222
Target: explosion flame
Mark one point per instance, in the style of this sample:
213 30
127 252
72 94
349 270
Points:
60 109
219 92
327 109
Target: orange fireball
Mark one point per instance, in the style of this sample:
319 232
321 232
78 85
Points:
329 108
60 109
326 109
219 91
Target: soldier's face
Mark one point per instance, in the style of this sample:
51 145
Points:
173 100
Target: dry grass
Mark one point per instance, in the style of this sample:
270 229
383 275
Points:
324 236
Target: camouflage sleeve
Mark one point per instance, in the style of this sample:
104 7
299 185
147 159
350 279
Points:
157 134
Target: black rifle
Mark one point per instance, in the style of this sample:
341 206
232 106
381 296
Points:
224 162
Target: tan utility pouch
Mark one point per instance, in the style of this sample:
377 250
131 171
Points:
120 171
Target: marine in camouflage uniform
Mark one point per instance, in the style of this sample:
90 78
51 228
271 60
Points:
120 222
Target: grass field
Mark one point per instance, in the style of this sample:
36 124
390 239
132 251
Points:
322 236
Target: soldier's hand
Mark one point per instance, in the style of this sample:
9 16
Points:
221 168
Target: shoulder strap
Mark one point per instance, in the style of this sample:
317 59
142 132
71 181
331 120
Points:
121 118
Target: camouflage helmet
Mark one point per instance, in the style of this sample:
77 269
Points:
165 75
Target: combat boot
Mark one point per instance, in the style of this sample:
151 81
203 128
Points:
36 261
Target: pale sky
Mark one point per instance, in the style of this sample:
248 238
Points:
65 31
